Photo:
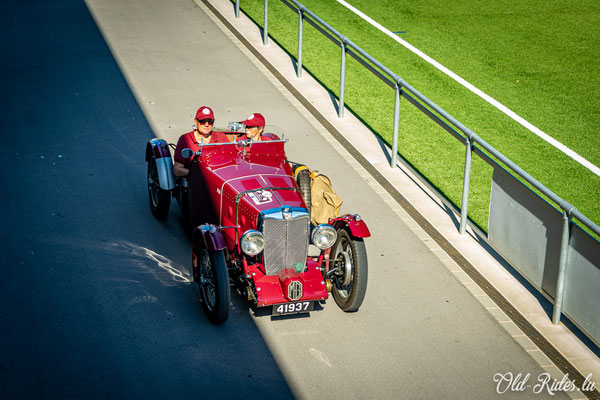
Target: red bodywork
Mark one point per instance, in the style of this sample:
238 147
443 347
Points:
243 182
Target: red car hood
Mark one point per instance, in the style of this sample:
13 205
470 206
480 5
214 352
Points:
232 180
266 199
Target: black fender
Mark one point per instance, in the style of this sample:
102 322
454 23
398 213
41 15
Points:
159 150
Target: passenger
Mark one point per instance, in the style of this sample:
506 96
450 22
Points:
255 125
202 133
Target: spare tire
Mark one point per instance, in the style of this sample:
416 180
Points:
303 180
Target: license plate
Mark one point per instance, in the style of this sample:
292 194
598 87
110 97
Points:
293 308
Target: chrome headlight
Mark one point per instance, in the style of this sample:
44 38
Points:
252 242
323 236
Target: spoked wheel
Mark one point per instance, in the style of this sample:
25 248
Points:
350 279
303 180
213 282
160 199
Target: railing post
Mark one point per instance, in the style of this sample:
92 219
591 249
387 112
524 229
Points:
237 8
300 30
266 24
562 267
396 122
464 206
342 79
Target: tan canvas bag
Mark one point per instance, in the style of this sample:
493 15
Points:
325 203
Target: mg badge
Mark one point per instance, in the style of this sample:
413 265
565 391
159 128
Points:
295 290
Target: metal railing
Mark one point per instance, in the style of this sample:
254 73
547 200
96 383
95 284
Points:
470 138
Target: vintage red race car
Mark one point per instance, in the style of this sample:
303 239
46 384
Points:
251 227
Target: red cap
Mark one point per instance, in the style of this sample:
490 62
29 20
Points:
254 120
204 113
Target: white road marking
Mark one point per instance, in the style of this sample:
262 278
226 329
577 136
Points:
171 273
478 92
319 355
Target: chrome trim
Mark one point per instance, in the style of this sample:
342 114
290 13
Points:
295 290
318 228
245 235
166 178
286 240
279 213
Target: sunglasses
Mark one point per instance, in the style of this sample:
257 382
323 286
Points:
205 121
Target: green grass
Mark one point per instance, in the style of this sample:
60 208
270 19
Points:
537 58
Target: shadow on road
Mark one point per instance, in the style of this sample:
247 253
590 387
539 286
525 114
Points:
97 299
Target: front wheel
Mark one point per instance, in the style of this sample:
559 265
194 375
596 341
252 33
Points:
213 282
350 276
160 199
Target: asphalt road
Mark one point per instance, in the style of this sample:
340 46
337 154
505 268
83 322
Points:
96 299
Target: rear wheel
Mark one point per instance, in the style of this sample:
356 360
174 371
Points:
213 282
350 277
303 180
160 199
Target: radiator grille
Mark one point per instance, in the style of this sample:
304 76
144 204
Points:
286 243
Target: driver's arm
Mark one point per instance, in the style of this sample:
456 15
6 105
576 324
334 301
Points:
179 169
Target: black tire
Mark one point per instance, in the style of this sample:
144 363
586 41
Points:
303 180
349 290
213 282
160 200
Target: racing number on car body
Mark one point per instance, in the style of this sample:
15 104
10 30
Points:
261 197
291 308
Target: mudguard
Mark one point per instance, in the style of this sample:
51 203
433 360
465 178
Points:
159 150
213 239
355 224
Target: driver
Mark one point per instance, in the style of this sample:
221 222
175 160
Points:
202 133
255 125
